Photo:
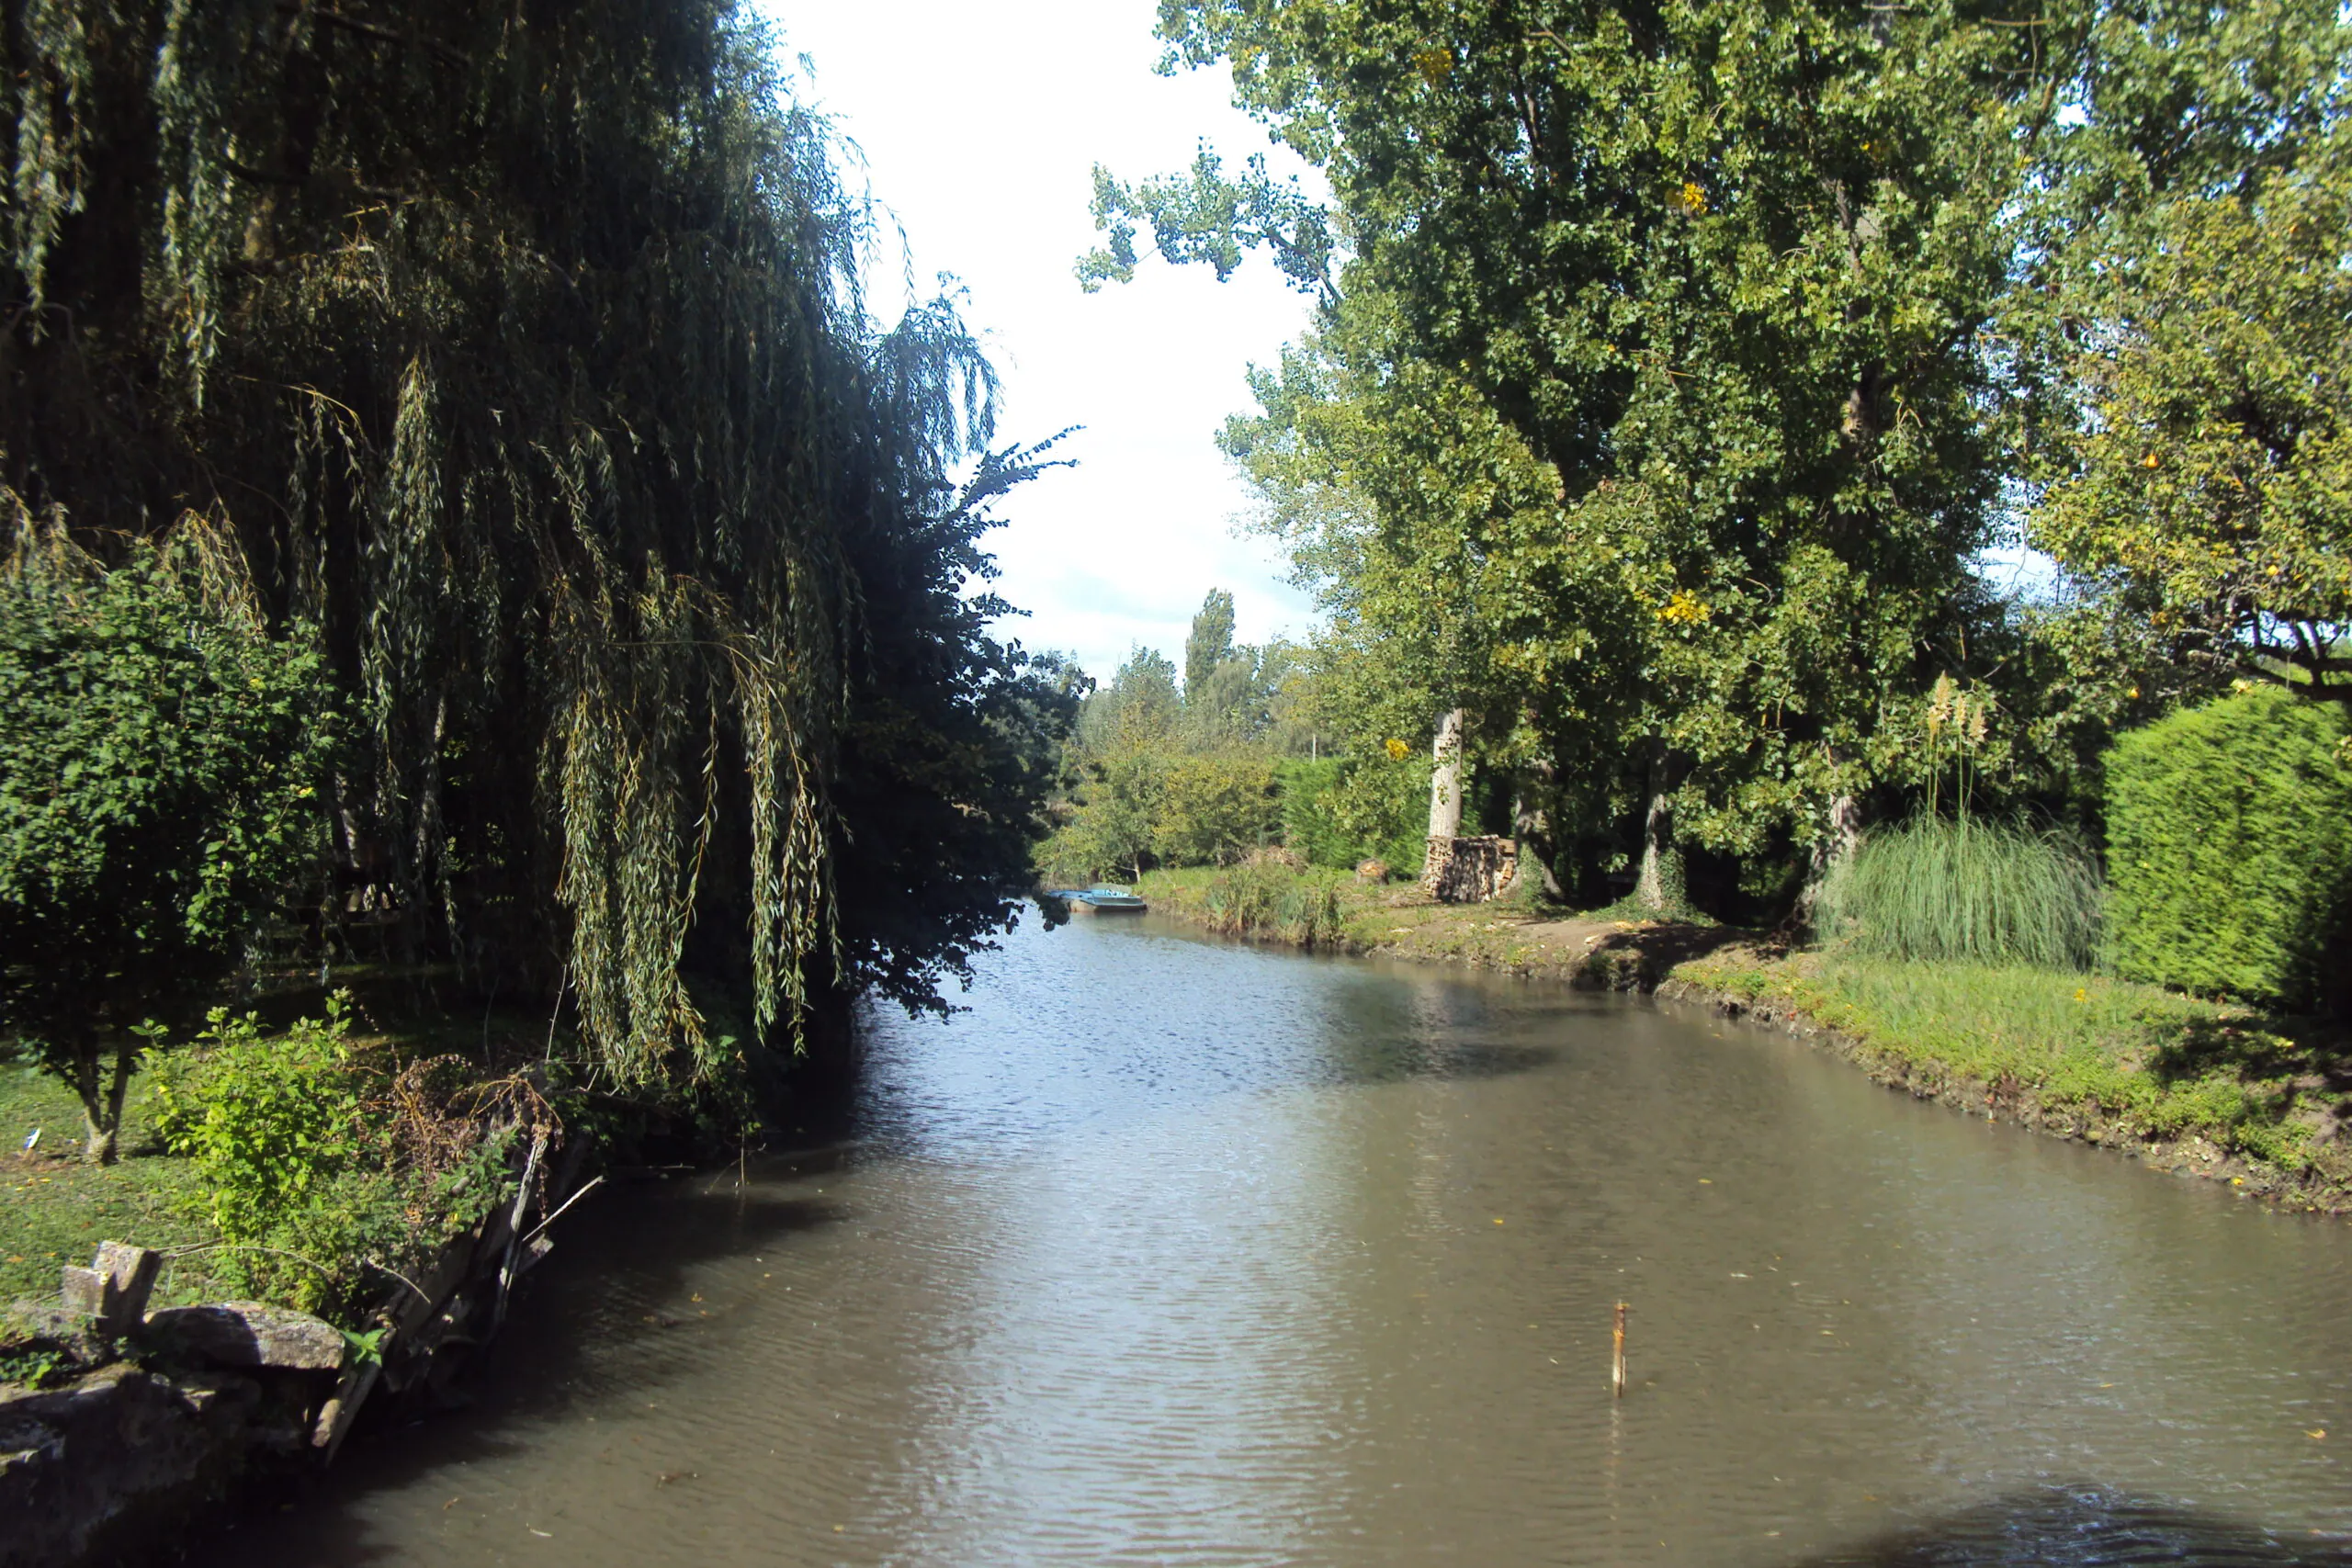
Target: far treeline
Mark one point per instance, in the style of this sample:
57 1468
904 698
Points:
1753 430
459 515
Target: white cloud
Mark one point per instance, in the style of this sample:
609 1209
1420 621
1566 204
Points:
980 126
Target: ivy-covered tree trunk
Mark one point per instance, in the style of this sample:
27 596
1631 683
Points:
1659 887
1531 826
1845 836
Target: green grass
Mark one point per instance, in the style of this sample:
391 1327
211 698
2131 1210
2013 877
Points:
2129 1059
1392 917
58 1209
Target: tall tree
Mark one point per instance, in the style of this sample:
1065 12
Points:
2187 310
1722 271
1209 643
521 347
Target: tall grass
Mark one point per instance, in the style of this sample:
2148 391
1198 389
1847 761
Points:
1272 900
1971 890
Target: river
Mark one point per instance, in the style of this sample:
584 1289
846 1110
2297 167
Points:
1175 1252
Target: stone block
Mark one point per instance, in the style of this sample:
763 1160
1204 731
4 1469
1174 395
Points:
112 1292
247 1334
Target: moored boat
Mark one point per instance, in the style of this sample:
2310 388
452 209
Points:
1101 900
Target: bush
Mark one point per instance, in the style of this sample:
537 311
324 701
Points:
1310 827
1972 890
1340 810
159 765
2230 850
324 1166
1214 810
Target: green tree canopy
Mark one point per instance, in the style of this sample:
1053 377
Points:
1209 643
160 769
522 348
2187 304
1651 368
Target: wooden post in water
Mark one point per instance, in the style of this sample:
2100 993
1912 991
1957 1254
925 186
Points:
1617 1359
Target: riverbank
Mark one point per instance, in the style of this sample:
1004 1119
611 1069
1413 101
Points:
1595 949
2210 1088
313 1214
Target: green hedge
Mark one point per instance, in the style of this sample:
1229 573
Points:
2230 850
1339 810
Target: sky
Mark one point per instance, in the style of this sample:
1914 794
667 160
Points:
979 126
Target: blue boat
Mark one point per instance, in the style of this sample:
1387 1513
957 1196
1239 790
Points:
1101 900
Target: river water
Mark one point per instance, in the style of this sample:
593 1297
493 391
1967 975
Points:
1174 1252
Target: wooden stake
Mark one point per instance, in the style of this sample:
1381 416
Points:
1617 1360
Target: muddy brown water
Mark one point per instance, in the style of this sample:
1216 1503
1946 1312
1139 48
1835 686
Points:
1175 1252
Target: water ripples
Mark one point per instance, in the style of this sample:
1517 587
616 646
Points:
1174 1253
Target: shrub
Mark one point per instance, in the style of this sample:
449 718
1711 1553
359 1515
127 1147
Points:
1982 891
159 765
2230 849
1310 827
1341 810
1116 813
1214 808
324 1166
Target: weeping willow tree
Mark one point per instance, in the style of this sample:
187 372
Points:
521 349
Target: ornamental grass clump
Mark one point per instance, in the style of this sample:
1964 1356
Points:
1972 889
1266 898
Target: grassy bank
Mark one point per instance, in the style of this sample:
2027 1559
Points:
1606 949
2259 1100
2262 1102
354 1148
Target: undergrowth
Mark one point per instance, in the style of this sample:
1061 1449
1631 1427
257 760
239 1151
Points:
1272 900
328 1169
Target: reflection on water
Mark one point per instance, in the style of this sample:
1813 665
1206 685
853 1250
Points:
1171 1252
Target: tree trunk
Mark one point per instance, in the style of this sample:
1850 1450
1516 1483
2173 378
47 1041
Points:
1445 782
1531 826
102 1100
1659 885
86 1084
126 1053
1829 853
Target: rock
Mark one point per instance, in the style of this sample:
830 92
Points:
1371 871
112 1292
247 1334
98 1471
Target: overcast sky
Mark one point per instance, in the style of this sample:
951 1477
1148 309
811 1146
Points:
979 125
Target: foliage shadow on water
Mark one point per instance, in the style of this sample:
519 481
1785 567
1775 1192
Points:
1376 1060
2078 1527
632 1253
